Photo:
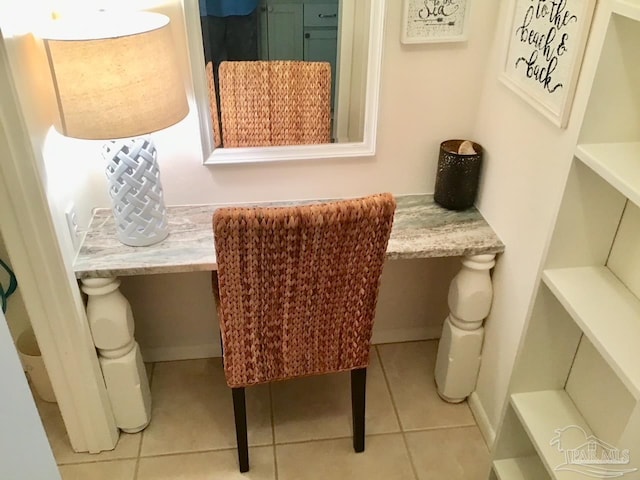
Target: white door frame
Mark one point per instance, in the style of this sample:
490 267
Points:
47 282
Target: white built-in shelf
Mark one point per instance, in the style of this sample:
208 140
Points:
520 468
608 314
541 414
628 8
617 163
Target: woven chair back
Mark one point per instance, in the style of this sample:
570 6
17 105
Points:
213 104
297 287
275 103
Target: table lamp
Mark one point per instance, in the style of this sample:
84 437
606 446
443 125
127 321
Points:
116 77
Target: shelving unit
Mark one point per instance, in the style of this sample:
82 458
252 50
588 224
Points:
541 414
617 163
579 361
606 311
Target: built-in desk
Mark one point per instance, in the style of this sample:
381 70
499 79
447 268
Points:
421 229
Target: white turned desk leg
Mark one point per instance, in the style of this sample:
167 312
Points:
460 346
111 323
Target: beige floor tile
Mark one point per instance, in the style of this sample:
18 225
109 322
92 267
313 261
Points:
380 415
319 407
222 465
409 368
127 446
192 409
120 470
385 458
451 453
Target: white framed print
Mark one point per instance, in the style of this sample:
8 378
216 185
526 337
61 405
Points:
426 21
543 53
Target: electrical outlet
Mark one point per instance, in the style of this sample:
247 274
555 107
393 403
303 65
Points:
72 223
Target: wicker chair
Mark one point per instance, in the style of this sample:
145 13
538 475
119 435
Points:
275 103
296 293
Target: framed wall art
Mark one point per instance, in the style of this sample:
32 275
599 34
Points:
425 21
543 53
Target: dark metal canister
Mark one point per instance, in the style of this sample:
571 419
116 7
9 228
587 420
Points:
458 176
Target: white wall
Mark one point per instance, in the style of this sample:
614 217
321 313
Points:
429 93
525 166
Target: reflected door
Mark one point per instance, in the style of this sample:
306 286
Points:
284 31
321 46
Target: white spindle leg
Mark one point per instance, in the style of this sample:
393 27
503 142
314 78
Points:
460 346
112 327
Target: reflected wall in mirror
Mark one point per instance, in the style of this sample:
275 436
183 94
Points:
339 37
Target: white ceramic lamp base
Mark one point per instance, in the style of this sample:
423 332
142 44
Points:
135 190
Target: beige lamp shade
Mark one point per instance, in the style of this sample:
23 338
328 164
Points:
115 76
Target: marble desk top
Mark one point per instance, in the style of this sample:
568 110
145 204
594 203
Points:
421 229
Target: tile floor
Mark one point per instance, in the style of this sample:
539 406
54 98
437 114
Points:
298 430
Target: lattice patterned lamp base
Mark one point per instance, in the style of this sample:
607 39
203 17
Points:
135 190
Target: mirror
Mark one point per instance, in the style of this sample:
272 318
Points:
358 44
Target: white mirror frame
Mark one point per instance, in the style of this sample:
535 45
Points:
220 156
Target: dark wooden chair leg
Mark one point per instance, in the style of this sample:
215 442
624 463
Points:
240 415
358 400
222 349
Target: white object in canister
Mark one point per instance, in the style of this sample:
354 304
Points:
34 366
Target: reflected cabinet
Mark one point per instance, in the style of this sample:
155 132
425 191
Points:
300 30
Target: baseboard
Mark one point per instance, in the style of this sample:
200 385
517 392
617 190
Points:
405 334
168 354
479 413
